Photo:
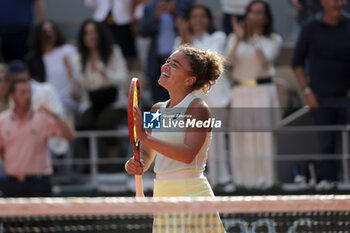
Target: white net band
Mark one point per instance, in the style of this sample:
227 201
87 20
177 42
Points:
119 205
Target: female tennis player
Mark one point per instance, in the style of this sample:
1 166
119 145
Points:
180 157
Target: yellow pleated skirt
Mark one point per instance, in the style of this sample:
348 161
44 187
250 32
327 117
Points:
184 222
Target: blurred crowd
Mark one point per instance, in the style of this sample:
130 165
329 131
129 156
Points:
84 82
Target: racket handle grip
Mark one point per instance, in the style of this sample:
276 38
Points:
139 186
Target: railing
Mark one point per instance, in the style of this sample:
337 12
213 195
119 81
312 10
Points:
282 126
94 159
344 156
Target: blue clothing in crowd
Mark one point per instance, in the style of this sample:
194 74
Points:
16 13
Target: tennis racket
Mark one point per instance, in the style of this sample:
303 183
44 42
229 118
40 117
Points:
134 99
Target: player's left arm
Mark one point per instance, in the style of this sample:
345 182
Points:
194 138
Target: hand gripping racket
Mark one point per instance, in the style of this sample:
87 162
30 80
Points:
134 99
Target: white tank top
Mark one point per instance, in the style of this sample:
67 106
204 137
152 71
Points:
164 164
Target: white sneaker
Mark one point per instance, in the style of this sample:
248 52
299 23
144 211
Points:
325 185
230 188
300 182
298 179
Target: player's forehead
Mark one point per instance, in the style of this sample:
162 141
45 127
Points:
181 59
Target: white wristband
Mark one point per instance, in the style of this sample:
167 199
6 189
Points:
126 165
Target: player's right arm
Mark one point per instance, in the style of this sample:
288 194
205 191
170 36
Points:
147 155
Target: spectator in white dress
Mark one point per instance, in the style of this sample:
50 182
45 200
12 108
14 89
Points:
252 50
48 59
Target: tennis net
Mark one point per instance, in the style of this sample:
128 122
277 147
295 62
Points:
272 214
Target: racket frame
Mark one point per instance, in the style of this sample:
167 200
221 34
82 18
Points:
134 99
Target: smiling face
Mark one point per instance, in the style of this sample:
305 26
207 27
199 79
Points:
175 73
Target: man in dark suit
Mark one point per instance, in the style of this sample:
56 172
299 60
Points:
324 43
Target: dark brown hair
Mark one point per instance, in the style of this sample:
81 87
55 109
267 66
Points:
14 83
268 27
37 38
105 42
206 66
211 28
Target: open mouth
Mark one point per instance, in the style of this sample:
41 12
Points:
164 75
